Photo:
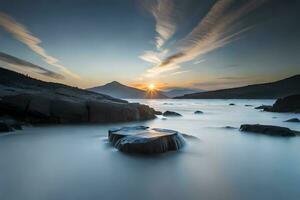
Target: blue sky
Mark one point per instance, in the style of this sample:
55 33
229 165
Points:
201 44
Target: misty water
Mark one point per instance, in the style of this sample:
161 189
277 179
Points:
76 162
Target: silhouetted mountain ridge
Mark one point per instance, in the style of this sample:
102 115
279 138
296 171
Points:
118 90
273 90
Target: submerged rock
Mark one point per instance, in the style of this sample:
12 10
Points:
232 104
288 104
229 127
171 113
145 140
248 105
198 112
293 120
268 130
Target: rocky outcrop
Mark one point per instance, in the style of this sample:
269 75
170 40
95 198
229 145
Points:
8 124
268 130
145 140
43 108
33 101
286 104
171 114
293 120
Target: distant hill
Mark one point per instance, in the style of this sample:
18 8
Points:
271 90
118 90
180 92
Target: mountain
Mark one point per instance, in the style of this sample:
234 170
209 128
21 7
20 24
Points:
271 90
180 92
118 90
34 101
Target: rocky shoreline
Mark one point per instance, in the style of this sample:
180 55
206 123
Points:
33 101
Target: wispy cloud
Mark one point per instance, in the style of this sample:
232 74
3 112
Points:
219 27
199 61
21 33
154 57
11 60
180 72
163 12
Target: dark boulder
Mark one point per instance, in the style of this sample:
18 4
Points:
145 140
198 112
287 104
171 114
293 120
232 104
268 130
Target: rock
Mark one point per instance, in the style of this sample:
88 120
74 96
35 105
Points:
157 112
171 113
232 104
287 104
268 130
293 120
248 105
198 112
145 140
8 124
43 108
229 127
34 101
4 127
263 107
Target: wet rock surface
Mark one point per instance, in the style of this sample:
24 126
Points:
172 114
268 130
33 101
145 140
198 112
293 120
8 124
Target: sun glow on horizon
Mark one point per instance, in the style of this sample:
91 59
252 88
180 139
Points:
151 86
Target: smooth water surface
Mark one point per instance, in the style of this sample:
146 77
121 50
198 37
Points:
76 162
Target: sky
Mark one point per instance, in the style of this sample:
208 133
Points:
205 44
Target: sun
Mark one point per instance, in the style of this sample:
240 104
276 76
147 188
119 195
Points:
151 86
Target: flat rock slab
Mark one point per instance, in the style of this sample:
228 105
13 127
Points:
145 140
268 130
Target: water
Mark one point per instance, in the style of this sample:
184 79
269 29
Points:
76 162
